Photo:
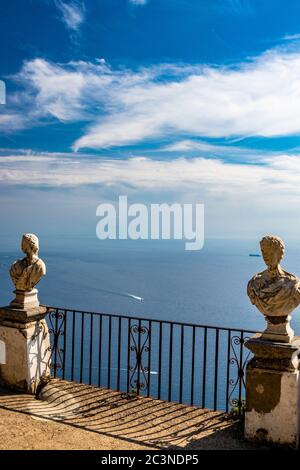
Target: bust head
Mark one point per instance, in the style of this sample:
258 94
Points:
272 249
30 244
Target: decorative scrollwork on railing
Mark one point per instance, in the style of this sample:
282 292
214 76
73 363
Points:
238 383
56 324
139 344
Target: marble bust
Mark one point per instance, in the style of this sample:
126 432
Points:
27 272
275 292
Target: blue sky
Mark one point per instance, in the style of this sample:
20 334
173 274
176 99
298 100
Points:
161 100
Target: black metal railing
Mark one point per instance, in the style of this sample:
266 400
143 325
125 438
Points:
198 365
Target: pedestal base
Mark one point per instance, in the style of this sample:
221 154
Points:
26 340
278 329
25 299
272 392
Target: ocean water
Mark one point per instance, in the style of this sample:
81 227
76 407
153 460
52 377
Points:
156 280
205 287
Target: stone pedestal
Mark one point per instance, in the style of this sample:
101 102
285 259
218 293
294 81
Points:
26 340
25 300
278 329
272 392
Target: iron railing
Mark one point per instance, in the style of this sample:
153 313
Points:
198 365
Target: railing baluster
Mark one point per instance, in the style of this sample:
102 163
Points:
181 363
73 345
128 354
149 358
56 340
159 361
240 372
91 349
216 369
193 366
204 368
228 369
81 348
100 351
139 359
170 362
109 352
119 352
65 345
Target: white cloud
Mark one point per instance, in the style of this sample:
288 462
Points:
240 199
138 2
73 92
278 175
260 97
188 145
12 121
291 37
237 7
56 92
72 13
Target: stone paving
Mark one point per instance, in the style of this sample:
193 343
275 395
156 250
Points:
77 416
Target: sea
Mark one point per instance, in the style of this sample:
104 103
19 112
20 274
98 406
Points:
156 280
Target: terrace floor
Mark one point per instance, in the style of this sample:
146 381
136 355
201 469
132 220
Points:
77 416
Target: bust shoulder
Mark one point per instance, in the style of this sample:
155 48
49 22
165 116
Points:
40 266
18 266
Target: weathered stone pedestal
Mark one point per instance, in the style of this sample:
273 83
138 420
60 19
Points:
272 391
25 300
25 336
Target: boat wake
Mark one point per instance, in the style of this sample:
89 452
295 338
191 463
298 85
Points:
121 294
135 297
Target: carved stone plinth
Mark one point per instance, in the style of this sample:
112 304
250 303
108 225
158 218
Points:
279 329
25 300
272 391
25 336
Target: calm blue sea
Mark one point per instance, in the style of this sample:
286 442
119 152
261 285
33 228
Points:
207 286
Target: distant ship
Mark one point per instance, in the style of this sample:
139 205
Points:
255 254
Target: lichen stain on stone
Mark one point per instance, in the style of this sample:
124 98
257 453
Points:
270 383
260 388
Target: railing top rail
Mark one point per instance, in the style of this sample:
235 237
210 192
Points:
153 320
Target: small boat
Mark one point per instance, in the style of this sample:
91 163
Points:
257 255
135 297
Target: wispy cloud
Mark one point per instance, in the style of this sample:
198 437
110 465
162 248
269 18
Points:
268 191
253 99
72 13
188 145
275 174
138 2
236 7
12 121
123 107
291 37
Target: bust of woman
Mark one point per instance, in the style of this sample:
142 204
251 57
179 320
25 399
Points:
27 272
275 292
